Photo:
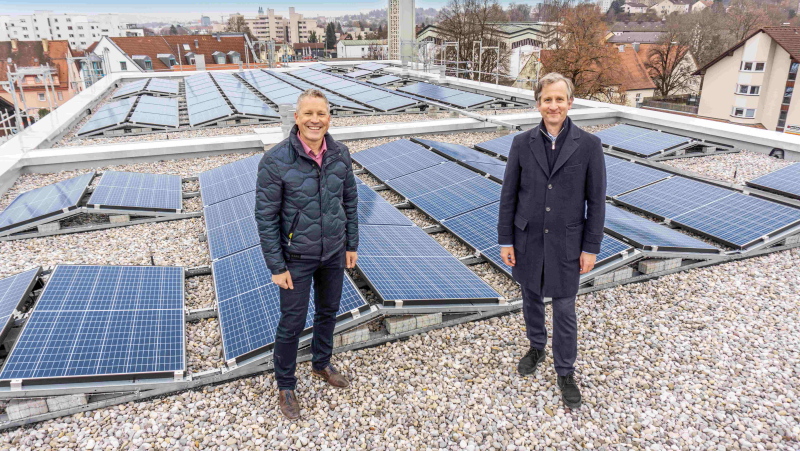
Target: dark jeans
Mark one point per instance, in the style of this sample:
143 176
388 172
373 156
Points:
327 277
565 328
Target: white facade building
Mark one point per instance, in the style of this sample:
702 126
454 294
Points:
367 49
79 29
402 28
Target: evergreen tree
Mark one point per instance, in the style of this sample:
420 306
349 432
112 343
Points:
330 36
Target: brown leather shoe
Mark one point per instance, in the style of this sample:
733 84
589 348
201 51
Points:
331 376
288 404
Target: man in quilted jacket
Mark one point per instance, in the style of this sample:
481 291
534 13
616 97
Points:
307 215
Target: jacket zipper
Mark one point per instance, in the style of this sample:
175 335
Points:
294 227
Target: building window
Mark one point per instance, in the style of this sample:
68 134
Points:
41 97
742 112
80 27
793 70
148 65
123 65
782 119
24 28
25 36
752 66
787 95
748 90
69 28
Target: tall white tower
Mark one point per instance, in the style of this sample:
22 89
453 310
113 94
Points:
402 28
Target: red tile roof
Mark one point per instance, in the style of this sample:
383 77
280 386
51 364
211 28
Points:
631 73
206 46
31 53
786 37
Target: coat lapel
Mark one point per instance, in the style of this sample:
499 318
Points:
541 158
569 147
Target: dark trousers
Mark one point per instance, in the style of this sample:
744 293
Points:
327 277
565 328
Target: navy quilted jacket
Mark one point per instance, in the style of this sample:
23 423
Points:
316 207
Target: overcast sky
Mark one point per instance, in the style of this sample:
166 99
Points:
192 9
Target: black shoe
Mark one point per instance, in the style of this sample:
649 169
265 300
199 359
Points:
527 364
570 393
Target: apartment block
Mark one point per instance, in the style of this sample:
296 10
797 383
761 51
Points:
79 30
752 83
290 29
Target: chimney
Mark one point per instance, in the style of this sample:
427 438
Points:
636 47
196 44
45 45
14 45
622 48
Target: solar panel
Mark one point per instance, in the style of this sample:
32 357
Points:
319 66
95 321
610 247
229 180
242 99
156 111
642 232
739 220
231 225
498 146
380 212
396 158
377 98
384 80
469 157
46 201
138 191
626 176
447 95
276 90
249 303
640 141
164 86
204 101
478 227
130 88
673 196
784 181
430 179
357 73
13 292
395 241
333 98
110 114
371 66
458 198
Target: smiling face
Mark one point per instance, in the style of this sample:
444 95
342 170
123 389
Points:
312 119
554 102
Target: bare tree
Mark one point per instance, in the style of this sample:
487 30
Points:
519 12
746 16
237 24
669 66
581 53
471 22
705 34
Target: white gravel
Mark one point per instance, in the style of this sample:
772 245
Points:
737 168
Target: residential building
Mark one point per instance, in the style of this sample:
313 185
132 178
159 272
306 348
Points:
79 30
36 92
164 53
687 66
752 82
634 8
666 7
537 34
374 49
700 5
290 29
604 5
205 21
630 37
307 50
631 76
402 28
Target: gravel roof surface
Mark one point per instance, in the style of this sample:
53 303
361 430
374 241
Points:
745 165
703 359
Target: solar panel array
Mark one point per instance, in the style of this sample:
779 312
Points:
396 158
109 115
249 303
371 66
46 201
373 209
405 264
784 181
276 90
230 180
164 86
644 233
727 216
450 96
130 88
140 191
243 100
159 111
13 291
383 80
623 176
477 161
320 67
499 146
357 73
333 98
204 101
379 99
103 321
640 141
148 85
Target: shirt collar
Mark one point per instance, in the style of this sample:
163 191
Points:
307 148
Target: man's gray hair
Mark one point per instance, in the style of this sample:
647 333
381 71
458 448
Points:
313 93
549 79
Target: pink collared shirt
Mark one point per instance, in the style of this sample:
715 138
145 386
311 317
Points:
317 157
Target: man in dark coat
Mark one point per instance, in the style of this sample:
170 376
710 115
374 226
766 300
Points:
552 210
307 215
